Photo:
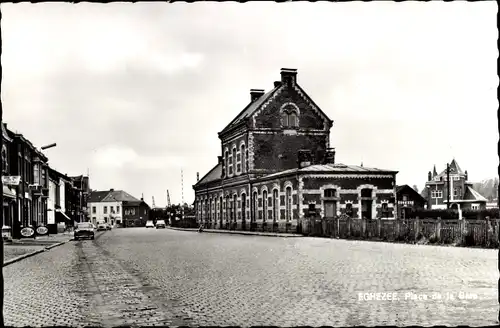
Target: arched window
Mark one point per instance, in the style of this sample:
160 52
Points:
288 202
235 208
243 159
264 205
228 204
220 209
348 209
234 161
275 205
254 206
226 159
243 206
289 116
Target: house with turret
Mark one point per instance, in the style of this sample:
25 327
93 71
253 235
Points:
455 182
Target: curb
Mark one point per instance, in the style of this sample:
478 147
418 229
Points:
235 232
22 257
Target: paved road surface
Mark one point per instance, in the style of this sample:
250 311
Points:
165 277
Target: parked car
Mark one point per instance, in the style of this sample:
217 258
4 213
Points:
108 226
102 227
160 224
84 230
150 224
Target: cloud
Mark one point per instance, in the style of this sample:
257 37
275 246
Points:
136 91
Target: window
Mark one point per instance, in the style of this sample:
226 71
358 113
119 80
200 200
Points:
385 210
228 204
255 206
243 206
243 159
275 205
436 194
475 206
36 173
118 209
220 208
288 204
405 198
111 209
235 204
366 203
348 209
226 159
456 192
264 205
234 160
105 210
5 162
93 210
289 117
330 193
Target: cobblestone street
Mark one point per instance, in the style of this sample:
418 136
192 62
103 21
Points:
141 276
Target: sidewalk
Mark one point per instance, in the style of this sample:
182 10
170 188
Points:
22 248
237 232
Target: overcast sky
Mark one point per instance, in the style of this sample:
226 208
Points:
135 92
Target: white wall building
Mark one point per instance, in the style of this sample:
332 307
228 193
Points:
105 212
51 201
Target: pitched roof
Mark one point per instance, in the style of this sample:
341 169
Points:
97 196
213 175
119 196
413 191
250 109
471 194
454 169
332 168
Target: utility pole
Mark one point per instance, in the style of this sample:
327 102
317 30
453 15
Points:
448 183
182 195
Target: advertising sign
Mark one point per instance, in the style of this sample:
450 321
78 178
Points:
42 230
27 232
12 180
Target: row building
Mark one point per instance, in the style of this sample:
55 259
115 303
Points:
31 192
277 164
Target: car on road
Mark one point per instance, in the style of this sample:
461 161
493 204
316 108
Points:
160 224
108 226
102 227
84 230
150 224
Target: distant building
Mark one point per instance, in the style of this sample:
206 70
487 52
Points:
462 195
408 200
116 207
276 161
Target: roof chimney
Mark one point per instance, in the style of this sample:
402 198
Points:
197 176
330 156
429 176
304 158
111 190
288 75
277 84
256 94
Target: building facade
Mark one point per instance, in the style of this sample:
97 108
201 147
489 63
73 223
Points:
276 161
408 200
461 195
9 182
116 207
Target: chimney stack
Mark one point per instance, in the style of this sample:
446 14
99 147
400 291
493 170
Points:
277 84
288 75
466 176
256 94
330 156
197 176
304 158
429 176
111 189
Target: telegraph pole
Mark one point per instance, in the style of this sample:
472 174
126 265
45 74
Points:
1 201
448 183
182 195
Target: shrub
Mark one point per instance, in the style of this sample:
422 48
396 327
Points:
434 214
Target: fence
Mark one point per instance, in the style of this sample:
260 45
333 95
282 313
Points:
482 233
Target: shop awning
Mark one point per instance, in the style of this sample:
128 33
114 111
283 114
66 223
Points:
62 215
8 193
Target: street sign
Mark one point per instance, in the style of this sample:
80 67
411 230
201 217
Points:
27 232
12 180
42 230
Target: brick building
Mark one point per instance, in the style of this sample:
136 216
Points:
463 195
408 200
276 160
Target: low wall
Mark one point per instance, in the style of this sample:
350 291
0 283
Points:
482 233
